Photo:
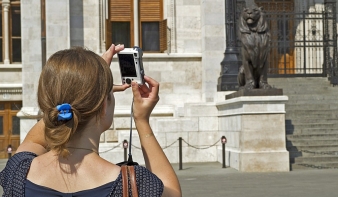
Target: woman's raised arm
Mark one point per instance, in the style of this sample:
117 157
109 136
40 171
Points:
145 99
35 140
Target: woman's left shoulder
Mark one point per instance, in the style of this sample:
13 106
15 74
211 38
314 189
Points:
17 165
147 182
21 156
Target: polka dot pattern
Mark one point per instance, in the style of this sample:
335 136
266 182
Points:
13 177
148 184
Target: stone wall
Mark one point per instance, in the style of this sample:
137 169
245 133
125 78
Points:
57 26
179 76
213 45
31 63
11 83
187 75
198 126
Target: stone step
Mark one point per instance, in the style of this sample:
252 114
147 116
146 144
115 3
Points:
312 142
294 166
313 97
311 131
312 102
305 87
312 148
311 121
292 89
314 165
304 84
286 80
290 116
296 126
314 159
317 90
312 136
311 114
304 106
298 80
294 154
302 120
312 111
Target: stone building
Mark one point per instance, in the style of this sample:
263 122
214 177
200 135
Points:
183 43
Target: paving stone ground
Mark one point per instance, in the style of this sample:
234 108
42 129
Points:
211 180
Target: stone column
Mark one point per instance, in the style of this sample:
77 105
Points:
77 22
213 44
31 63
92 25
136 23
57 26
6 5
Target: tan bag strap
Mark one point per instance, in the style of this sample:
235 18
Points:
128 172
132 177
125 181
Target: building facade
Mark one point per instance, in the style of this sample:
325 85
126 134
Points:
183 43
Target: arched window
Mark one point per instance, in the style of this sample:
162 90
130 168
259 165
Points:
281 24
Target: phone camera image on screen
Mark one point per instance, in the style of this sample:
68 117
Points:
127 65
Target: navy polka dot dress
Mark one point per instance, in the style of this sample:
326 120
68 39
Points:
14 182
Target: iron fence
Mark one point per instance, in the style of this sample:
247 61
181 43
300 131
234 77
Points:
302 43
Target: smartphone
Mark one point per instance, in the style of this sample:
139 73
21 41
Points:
131 65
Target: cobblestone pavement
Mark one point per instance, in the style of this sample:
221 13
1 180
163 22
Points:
211 180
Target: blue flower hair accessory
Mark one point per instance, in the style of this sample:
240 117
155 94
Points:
64 111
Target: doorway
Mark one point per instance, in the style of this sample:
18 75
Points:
280 16
9 126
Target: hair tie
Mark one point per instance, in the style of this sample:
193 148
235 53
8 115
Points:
64 112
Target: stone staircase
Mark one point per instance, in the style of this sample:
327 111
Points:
311 121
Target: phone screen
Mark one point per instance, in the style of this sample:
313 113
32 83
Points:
127 65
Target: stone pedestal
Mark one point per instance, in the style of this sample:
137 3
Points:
255 130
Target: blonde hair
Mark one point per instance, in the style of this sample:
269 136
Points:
76 76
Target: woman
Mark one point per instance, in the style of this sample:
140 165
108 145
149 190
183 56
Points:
59 156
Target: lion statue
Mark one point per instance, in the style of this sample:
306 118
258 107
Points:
255 38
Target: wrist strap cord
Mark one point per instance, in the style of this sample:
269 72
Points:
130 161
131 126
130 157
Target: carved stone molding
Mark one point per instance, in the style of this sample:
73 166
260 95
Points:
10 90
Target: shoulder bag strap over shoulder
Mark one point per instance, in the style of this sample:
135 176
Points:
131 172
128 172
125 181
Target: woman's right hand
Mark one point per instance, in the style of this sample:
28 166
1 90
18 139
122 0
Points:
108 55
145 98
